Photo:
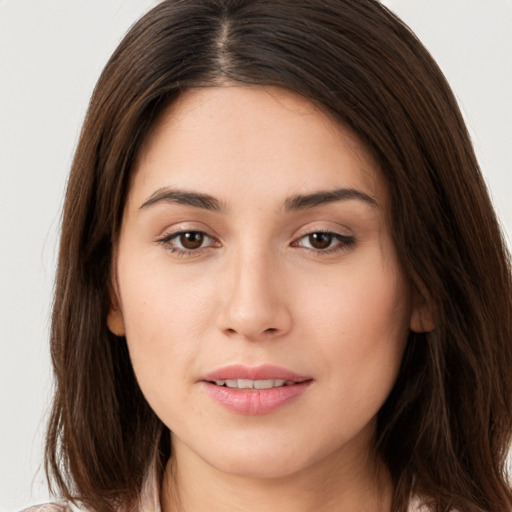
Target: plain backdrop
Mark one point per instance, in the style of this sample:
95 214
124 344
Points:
51 54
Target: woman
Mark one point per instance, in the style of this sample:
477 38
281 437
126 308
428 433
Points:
281 282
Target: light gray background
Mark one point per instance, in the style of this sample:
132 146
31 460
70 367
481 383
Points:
51 53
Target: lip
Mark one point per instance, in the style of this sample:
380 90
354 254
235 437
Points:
255 401
263 372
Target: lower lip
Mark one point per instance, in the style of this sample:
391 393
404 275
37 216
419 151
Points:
256 401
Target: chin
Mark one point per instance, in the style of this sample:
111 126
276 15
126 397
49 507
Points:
260 467
265 458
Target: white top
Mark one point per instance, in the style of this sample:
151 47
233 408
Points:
150 501
154 506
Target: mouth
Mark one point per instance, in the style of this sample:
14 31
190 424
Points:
253 384
255 390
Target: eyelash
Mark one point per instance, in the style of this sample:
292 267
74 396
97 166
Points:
344 242
166 241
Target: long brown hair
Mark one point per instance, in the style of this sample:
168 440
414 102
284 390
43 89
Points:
445 430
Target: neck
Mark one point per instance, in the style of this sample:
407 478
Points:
336 484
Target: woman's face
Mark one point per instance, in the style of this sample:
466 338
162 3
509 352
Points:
257 283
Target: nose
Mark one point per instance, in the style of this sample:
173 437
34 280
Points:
255 305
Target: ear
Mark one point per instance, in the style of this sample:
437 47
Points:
422 317
115 320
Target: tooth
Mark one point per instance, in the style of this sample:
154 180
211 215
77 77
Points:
245 384
263 384
254 384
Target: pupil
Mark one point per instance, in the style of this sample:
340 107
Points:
320 240
191 240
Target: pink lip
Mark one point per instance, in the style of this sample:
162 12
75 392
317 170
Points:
255 401
263 372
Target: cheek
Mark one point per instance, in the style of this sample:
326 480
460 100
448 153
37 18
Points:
367 297
166 321
360 323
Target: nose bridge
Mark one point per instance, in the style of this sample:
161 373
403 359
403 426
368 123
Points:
255 305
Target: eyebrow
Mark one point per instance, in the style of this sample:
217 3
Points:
303 202
195 199
297 202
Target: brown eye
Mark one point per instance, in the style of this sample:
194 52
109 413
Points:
191 239
320 240
188 243
325 242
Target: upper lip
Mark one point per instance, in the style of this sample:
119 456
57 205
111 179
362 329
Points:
263 372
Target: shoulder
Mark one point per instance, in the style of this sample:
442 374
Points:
52 507
416 505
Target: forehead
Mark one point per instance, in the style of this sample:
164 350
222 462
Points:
255 138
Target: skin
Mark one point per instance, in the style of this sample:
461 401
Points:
256 292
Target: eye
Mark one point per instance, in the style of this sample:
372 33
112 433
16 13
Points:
186 242
324 241
191 239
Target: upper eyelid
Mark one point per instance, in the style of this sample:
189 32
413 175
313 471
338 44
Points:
182 227
339 236
176 234
313 228
297 235
301 232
